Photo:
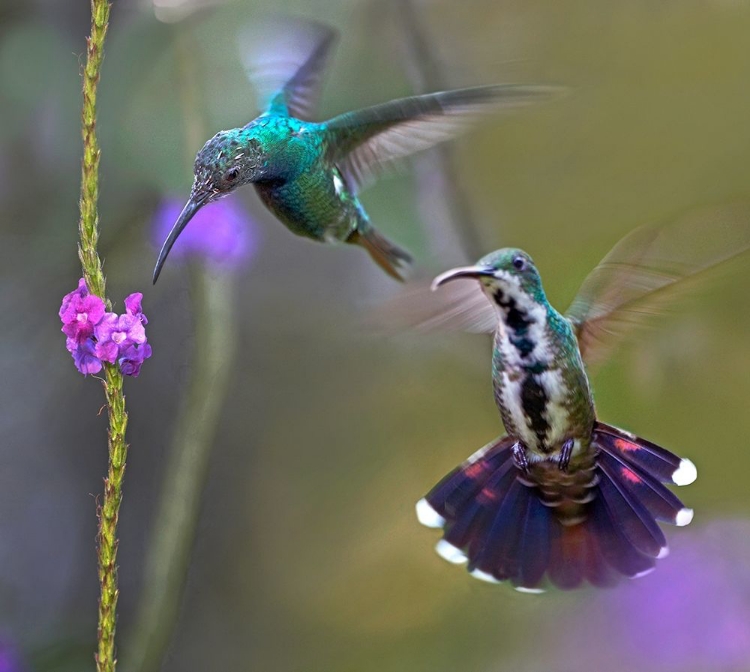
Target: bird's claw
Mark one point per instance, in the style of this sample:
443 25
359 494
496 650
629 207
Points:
565 453
519 457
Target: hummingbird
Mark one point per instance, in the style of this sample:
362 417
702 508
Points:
562 494
309 174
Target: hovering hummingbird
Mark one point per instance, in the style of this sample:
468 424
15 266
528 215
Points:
564 494
309 174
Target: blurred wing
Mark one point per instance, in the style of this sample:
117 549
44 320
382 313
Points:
648 270
456 306
364 141
285 60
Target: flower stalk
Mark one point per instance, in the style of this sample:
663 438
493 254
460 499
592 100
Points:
109 508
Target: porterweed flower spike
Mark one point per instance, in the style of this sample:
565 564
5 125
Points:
95 336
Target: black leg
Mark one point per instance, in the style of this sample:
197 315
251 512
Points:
519 457
567 449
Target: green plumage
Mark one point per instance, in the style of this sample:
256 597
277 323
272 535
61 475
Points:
308 173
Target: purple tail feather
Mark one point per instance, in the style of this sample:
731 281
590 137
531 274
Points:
498 524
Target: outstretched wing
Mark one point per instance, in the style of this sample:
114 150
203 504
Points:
285 60
364 141
648 270
456 306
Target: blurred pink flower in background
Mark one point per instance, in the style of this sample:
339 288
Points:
220 232
691 614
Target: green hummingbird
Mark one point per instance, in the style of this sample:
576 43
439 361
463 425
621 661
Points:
563 494
309 174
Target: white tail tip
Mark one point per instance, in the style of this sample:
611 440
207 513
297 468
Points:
530 591
427 515
685 474
684 517
451 553
484 576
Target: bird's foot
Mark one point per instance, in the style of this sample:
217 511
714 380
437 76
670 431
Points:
519 457
565 453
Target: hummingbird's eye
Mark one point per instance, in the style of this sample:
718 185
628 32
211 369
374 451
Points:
232 174
519 263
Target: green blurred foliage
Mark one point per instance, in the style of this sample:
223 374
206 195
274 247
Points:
309 556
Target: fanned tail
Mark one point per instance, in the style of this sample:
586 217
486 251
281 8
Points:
389 256
499 524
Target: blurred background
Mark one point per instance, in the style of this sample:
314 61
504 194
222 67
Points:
307 554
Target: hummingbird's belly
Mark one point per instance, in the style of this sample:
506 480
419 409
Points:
536 407
309 209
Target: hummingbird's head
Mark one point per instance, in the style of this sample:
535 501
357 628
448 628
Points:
509 279
227 161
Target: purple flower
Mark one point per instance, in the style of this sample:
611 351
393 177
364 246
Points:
95 336
84 356
133 306
80 312
131 358
692 613
221 232
116 333
9 658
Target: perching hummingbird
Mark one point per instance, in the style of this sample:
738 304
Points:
564 494
309 174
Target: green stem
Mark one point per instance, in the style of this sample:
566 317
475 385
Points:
174 528
88 227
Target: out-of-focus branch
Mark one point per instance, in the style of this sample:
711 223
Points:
442 203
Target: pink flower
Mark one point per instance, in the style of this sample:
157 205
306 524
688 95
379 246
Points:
80 312
95 336
132 358
115 333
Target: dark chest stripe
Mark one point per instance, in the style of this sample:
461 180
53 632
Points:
534 402
517 323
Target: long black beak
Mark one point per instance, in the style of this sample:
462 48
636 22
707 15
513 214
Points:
462 272
191 207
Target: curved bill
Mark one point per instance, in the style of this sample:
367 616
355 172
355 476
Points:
462 272
191 207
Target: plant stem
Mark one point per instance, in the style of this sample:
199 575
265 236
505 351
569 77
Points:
88 227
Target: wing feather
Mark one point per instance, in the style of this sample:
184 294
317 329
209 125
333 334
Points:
457 306
649 270
285 60
365 141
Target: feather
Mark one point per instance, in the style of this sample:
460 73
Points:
649 270
630 515
660 502
534 544
463 483
458 306
567 559
285 60
498 556
654 460
362 143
